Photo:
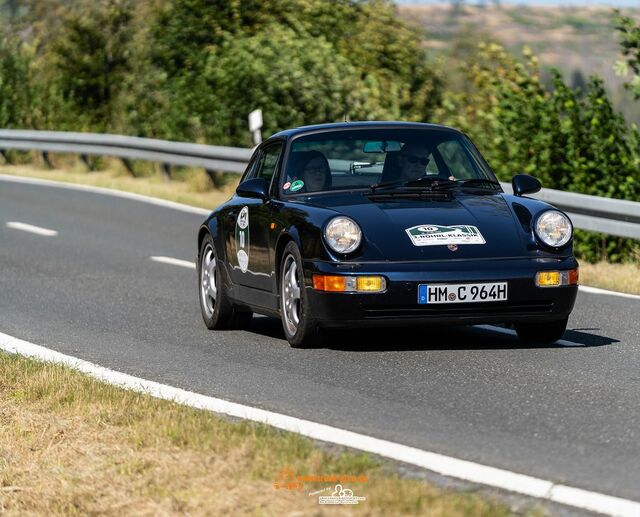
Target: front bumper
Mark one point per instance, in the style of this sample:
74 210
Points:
398 305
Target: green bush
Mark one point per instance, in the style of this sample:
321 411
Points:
570 140
192 70
14 83
629 32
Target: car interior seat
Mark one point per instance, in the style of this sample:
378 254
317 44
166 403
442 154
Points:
391 167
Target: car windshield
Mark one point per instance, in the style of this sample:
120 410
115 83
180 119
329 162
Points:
382 158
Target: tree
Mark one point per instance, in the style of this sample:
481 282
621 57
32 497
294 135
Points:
382 59
570 142
91 57
629 32
14 83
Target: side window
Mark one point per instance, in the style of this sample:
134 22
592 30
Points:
268 161
457 160
432 166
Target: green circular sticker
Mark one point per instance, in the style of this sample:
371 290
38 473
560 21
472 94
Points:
296 185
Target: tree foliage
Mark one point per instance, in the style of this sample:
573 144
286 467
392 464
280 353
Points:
303 61
14 81
629 32
570 140
193 69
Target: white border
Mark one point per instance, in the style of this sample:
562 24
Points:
444 465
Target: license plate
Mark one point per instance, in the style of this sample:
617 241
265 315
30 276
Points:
462 293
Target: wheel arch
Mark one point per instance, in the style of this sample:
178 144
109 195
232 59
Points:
210 227
285 238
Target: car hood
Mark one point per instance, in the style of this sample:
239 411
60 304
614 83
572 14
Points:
385 224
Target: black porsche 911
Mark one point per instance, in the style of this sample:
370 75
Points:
369 223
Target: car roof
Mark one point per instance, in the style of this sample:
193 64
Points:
342 126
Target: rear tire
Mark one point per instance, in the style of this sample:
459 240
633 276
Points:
218 312
299 328
541 333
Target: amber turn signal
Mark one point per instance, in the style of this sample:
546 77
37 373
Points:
557 278
349 284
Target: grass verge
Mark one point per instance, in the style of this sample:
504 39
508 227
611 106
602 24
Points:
72 445
197 191
616 277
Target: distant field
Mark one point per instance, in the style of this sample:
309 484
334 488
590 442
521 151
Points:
572 39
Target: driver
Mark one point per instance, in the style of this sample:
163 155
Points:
413 160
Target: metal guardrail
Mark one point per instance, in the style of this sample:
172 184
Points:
605 215
599 214
209 157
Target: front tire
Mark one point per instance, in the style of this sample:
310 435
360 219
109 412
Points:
299 328
541 333
218 312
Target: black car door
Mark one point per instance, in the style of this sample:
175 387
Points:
248 245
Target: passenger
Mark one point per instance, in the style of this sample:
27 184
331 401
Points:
316 173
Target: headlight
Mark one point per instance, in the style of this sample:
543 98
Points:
342 234
554 228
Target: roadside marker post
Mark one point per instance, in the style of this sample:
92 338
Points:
255 126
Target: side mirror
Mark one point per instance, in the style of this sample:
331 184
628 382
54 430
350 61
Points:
525 184
255 187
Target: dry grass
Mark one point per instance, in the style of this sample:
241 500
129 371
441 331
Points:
72 445
616 277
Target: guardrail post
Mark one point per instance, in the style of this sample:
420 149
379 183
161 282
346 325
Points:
215 177
5 156
88 163
47 160
127 165
166 171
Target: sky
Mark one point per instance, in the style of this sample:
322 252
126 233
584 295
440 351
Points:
562 3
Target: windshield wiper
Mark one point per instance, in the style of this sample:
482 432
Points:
479 182
408 183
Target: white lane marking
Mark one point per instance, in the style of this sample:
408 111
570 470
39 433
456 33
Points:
31 229
511 332
174 262
597 290
444 465
107 192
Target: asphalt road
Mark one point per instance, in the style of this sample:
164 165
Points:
567 414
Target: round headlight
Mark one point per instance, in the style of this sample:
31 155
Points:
342 234
554 228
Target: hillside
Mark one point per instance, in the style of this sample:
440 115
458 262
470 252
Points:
580 41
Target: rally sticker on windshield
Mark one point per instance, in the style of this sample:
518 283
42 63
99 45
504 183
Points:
439 235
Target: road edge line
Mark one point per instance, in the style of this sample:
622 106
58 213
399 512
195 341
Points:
108 192
599 290
435 462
